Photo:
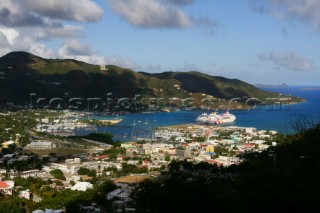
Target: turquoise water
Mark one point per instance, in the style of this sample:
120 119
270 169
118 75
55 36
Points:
272 117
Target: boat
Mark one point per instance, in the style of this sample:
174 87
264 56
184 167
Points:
166 110
146 122
215 118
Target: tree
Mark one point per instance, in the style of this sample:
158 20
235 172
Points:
52 154
83 171
57 173
92 173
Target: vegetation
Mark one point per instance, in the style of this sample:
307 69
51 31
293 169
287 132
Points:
71 78
53 198
33 162
114 152
101 137
85 171
58 174
11 205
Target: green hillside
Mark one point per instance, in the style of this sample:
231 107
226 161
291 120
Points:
22 73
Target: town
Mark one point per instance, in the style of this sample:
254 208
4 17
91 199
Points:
40 165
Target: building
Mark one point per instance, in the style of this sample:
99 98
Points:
82 186
29 173
40 145
25 194
6 187
7 143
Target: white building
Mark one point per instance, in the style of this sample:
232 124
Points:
40 145
82 186
25 194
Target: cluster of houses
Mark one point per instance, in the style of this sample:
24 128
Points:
179 144
235 140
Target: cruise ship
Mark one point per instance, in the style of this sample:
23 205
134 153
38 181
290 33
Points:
215 118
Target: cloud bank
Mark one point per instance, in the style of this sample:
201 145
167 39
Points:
289 60
150 14
305 11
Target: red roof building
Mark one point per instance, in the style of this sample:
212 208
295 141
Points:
3 185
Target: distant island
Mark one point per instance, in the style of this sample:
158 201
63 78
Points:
283 85
311 88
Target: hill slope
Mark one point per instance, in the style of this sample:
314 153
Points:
22 73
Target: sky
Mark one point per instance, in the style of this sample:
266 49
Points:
257 41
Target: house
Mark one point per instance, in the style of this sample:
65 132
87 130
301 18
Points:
102 157
25 194
7 143
121 194
8 157
82 186
6 187
120 158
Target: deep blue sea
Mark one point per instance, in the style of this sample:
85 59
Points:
272 117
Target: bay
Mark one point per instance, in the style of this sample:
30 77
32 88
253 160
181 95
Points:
281 118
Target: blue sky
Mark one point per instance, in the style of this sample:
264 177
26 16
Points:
257 41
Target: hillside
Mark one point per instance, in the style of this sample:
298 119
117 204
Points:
22 73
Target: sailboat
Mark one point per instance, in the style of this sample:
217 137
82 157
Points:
155 118
134 122
146 122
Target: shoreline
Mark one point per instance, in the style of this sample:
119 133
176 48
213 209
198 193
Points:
111 121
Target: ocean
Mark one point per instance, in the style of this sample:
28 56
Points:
286 119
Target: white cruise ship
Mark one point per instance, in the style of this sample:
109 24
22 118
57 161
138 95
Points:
215 118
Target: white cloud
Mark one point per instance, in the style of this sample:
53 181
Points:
4 43
10 34
26 25
42 51
104 60
45 18
73 47
306 11
289 60
66 31
119 61
22 43
150 13
71 10
13 14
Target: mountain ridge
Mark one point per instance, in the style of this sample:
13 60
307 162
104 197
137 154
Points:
22 73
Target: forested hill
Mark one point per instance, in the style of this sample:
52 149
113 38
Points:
22 73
